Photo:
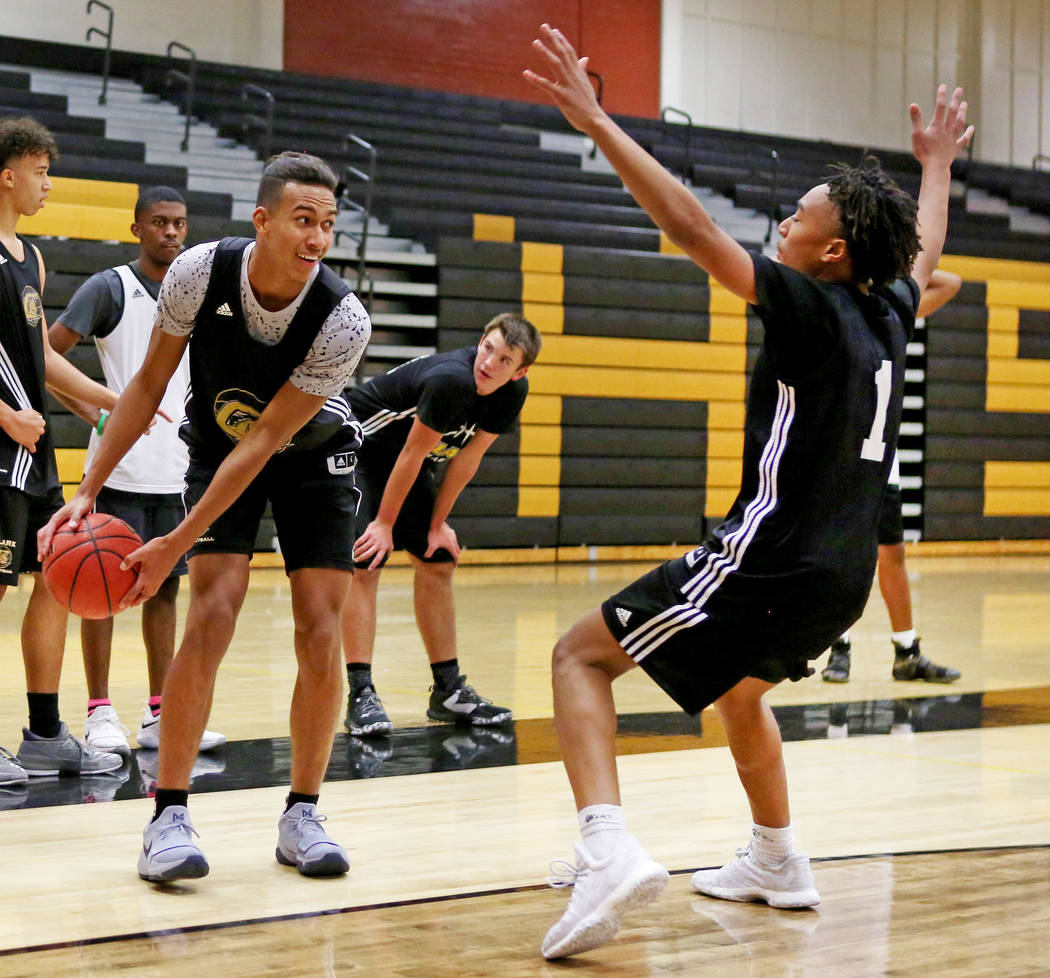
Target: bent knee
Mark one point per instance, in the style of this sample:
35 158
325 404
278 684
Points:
590 644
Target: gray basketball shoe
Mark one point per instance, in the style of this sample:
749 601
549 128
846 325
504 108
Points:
303 843
64 754
11 772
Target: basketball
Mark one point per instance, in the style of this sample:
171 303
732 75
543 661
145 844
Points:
82 568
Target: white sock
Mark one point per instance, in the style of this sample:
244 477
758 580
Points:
904 639
602 827
772 846
844 637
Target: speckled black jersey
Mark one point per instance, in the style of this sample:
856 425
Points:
234 375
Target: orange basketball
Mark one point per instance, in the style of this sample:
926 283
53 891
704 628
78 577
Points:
82 569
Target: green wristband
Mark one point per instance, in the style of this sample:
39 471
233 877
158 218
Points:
102 415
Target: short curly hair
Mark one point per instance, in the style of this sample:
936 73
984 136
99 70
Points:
24 136
878 221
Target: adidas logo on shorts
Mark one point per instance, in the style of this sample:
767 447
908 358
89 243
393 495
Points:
224 310
624 615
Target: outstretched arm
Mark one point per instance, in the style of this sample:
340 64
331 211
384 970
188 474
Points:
935 147
670 204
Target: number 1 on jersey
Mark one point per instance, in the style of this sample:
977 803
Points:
873 449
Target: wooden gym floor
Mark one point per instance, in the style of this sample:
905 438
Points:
926 808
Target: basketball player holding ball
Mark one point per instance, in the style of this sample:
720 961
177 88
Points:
273 337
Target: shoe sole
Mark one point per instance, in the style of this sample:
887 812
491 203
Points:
602 925
379 729
72 771
191 868
330 864
833 678
123 750
466 720
152 742
792 900
925 679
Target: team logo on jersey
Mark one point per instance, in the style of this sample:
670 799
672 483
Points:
6 557
32 306
452 443
224 310
623 615
236 411
342 463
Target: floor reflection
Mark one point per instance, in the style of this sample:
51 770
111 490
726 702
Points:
442 747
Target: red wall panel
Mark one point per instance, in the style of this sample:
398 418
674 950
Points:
477 47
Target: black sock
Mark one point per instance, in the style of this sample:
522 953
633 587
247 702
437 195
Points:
43 714
295 797
445 673
166 798
359 674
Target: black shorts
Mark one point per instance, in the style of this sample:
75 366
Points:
149 514
891 519
413 522
313 500
696 655
21 515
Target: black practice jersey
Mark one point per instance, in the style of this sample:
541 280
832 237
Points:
22 371
823 414
439 390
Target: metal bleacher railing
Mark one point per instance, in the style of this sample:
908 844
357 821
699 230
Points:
107 36
687 152
264 123
352 172
188 79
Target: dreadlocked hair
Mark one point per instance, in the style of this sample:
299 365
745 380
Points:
878 221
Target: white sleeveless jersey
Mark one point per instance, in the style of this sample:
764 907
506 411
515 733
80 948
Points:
157 462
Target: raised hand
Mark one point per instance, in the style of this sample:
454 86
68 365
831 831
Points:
568 86
947 132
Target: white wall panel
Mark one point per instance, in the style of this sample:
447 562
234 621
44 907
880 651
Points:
920 81
792 85
890 22
826 18
949 26
1027 32
1025 135
793 15
920 25
694 69
246 32
858 21
724 67
856 92
887 97
993 115
758 99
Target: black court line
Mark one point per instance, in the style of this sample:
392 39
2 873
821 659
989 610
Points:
447 898
435 748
